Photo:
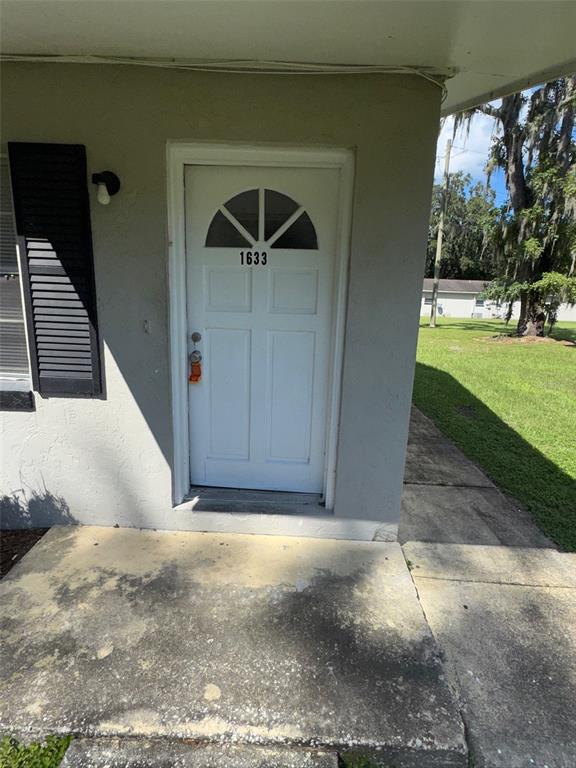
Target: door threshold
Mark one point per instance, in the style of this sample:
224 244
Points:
203 498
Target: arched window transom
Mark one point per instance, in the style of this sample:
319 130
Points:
262 216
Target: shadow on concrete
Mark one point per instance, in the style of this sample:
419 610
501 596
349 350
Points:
511 462
384 681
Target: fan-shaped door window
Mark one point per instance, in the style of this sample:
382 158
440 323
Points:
265 216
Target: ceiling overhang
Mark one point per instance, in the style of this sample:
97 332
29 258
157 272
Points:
482 49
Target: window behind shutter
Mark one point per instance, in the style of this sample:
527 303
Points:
50 191
13 354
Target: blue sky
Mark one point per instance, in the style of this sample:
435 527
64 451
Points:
470 153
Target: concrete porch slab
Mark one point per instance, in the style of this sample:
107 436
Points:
161 753
225 639
505 619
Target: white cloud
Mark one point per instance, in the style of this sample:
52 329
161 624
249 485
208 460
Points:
470 152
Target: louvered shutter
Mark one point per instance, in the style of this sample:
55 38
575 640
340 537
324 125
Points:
50 191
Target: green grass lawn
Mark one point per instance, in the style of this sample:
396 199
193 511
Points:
48 754
511 407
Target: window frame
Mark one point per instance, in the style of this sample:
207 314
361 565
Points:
263 237
16 392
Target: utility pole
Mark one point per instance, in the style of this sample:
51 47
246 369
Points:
438 258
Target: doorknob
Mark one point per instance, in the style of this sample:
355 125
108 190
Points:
195 360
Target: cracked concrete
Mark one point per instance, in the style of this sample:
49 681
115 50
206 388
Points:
225 639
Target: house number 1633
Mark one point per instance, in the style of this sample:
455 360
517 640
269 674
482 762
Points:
253 258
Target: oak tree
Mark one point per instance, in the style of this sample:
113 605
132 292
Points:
535 240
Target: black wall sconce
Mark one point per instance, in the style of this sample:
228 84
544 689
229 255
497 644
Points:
108 185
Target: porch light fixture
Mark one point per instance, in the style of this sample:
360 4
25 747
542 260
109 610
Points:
108 184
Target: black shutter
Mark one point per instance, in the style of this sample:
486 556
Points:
52 210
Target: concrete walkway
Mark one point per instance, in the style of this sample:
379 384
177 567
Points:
506 619
447 498
504 616
224 639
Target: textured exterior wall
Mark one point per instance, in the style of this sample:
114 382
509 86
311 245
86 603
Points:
110 461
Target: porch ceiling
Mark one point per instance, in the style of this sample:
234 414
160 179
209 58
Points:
494 47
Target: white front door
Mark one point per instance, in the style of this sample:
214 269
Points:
260 247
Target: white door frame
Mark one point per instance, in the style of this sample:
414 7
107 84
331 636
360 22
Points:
181 154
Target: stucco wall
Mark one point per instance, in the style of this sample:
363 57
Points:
110 461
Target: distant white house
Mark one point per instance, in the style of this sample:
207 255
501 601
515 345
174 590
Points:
456 298
460 298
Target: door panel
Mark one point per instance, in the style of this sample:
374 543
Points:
228 289
260 245
228 382
293 291
290 378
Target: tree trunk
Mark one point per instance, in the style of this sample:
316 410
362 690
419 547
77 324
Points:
552 320
513 138
532 317
567 126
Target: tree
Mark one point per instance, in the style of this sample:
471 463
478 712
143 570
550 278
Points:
551 290
536 236
470 230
